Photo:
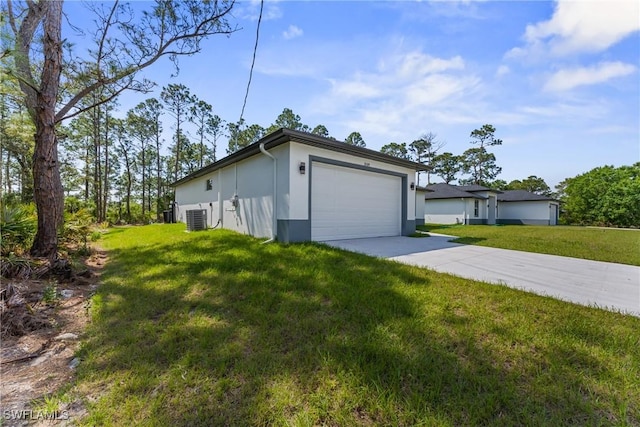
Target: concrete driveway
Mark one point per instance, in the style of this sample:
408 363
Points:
603 284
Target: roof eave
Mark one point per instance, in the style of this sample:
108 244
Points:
282 135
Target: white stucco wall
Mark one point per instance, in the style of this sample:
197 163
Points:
447 211
193 195
252 181
539 210
482 209
299 184
420 204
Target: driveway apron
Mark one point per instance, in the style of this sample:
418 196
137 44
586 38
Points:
594 283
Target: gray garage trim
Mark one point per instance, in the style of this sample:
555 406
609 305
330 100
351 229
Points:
405 224
408 227
294 230
419 221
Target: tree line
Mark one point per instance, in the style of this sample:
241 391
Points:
607 195
59 132
121 168
57 82
478 163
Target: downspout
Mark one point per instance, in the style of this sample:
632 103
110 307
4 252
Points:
274 226
220 201
464 211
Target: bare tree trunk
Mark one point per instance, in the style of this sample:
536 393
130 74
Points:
144 182
149 186
158 178
48 193
105 181
201 149
97 159
7 177
26 182
86 174
128 167
4 167
177 171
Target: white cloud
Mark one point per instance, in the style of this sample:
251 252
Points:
399 96
251 10
581 26
354 89
502 70
411 75
292 32
416 63
570 78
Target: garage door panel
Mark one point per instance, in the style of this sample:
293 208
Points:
350 203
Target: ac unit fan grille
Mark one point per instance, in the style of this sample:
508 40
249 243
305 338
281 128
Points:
196 219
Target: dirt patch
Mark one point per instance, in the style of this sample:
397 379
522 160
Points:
42 362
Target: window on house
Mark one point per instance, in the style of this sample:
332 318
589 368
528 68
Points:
209 184
476 208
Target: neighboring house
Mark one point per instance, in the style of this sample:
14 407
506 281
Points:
523 207
294 186
454 204
421 193
475 204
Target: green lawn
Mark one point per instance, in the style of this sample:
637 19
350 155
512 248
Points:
213 328
610 245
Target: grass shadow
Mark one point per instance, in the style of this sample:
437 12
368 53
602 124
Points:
468 240
214 328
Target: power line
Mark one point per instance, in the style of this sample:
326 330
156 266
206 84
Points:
253 61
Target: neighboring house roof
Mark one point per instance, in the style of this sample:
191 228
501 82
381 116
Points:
448 191
282 136
522 196
474 188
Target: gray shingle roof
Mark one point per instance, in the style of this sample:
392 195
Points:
474 187
448 191
521 196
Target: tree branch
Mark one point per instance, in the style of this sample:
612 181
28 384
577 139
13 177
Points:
162 50
105 32
93 105
24 36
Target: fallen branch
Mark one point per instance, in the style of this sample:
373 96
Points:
29 356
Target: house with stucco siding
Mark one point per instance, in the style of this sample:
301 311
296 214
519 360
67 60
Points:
294 186
476 204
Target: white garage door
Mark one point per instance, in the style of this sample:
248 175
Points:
350 203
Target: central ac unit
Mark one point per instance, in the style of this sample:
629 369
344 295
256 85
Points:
196 219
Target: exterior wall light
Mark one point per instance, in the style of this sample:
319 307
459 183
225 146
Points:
413 186
302 168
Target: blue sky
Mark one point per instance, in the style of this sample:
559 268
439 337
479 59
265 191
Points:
558 80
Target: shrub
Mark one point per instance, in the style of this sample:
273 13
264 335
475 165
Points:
77 228
50 294
18 226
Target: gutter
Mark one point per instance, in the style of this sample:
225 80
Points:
274 225
282 136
